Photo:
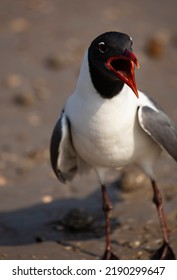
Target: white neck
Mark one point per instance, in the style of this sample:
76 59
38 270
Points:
85 88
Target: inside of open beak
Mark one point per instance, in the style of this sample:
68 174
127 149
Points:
122 66
124 69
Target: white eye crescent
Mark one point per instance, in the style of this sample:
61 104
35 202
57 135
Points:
102 47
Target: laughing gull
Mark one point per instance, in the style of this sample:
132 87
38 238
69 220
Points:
108 123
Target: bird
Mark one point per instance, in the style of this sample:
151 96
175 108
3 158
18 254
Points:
107 123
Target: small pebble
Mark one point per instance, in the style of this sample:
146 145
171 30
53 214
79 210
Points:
139 254
132 179
158 241
19 25
24 99
134 244
56 62
155 47
39 239
3 181
13 81
68 248
34 120
142 255
47 199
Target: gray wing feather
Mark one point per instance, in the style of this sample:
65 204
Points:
62 154
160 127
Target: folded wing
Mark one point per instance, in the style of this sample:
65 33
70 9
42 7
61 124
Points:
62 154
160 127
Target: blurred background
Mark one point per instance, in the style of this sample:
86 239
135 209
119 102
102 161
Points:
41 47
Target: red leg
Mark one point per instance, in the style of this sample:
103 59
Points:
107 207
157 199
165 252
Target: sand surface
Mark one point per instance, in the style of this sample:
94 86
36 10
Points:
41 47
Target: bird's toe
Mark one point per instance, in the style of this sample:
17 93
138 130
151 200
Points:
165 252
108 255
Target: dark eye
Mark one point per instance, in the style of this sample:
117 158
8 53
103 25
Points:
102 47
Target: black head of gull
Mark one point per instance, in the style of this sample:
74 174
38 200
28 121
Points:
112 63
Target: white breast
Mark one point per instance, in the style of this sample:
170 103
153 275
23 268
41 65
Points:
107 132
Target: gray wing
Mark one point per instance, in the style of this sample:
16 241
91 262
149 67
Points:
159 126
62 154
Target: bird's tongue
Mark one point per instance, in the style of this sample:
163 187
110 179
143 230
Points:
124 66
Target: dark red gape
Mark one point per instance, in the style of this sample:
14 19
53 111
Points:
123 66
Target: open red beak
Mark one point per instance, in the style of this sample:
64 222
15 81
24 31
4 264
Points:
123 66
